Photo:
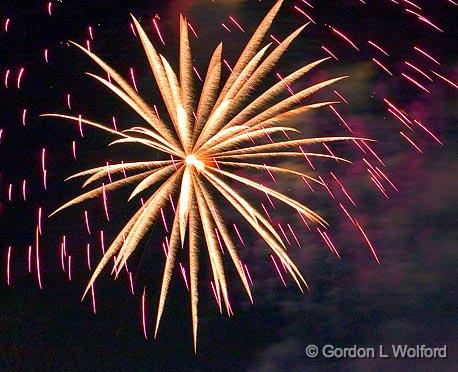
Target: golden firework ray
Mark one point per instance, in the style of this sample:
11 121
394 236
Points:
206 143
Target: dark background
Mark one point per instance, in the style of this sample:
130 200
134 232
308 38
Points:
409 299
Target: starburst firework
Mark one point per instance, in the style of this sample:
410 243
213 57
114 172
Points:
206 142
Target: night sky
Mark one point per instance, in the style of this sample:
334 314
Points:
411 298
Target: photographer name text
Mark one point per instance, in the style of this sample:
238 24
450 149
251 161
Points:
381 351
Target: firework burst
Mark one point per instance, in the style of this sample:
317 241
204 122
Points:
202 142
